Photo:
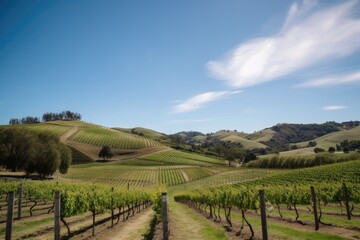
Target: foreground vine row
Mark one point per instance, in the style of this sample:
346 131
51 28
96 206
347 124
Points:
77 199
244 198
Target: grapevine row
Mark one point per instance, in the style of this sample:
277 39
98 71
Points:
246 198
77 199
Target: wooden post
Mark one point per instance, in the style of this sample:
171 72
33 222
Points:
164 216
112 207
93 225
57 215
19 202
346 199
263 215
10 217
313 198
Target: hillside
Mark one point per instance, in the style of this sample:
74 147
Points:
141 162
145 132
86 139
326 141
276 138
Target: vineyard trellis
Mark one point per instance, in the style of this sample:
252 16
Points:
77 199
247 198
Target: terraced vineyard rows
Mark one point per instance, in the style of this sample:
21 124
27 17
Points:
227 177
120 175
57 130
337 172
183 158
115 139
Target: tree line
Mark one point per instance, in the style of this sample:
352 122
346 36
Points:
42 153
48 116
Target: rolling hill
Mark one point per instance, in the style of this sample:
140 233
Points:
86 139
326 141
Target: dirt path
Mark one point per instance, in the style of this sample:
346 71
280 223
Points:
134 228
65 136
186 177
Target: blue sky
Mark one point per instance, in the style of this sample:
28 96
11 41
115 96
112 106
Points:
200 65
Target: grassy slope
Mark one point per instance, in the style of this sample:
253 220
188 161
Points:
262 136
238 137
248 144
326 141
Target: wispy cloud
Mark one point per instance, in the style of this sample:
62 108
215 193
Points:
200 100
333 107
348 78
308 36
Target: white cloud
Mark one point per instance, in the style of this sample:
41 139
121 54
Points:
334 107
306 38
200 100
347 78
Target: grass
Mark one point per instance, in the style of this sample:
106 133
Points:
277 229
248 144
326 141
262 136
239 137
28 225
186 224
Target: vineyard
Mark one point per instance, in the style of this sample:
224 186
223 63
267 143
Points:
137 176
57 130
183 158
286 192
78 201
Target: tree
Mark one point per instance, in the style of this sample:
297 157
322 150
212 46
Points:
331 150
23 150
14 121
312 144
249 156
105 153
17 146
317 150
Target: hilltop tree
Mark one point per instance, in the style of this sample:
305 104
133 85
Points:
105 153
